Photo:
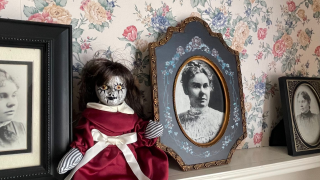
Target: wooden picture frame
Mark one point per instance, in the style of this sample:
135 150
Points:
300 98
45 52
192 48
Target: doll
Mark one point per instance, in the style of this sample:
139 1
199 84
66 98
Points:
111 140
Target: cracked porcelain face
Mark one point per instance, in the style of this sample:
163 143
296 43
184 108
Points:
113 93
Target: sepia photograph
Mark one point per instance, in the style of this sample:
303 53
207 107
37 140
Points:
306 112
199 101
13 106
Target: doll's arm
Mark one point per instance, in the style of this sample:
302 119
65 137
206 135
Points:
153 130
69 161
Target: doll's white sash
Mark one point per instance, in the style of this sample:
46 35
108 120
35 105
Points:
121 142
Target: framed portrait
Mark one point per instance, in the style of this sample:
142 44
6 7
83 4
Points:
35 98
301 111
197 94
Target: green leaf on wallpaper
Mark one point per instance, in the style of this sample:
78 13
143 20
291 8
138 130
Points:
306 4
247 3
248 40
264 18
203 2
123 39
150 29
159 12
316 14
103 3
311 2
235 21
76 33
139 34
133 50
127 45
91 26
304 47
173 22
228 41
98 27
263 3
260 102
29 11
276 38
224 30
194 3
288 30
245 146
105 24
199 10
61 3
76 48
74 22
40 4
259 110
308 32
169 15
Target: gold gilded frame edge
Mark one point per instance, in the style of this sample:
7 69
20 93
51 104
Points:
153 72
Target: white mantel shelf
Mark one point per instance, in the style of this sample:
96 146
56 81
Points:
249 164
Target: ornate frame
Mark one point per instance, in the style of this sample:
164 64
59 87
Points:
55 44
154 73
295 142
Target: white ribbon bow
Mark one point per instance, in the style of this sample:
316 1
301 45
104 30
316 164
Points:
121 142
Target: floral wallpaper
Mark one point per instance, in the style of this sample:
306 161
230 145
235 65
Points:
275 38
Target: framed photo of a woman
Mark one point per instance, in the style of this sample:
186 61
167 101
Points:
35 127
15 106
197 94
301 109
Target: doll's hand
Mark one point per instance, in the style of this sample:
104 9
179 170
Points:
69 161
153 130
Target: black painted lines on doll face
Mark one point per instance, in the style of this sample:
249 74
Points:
113 93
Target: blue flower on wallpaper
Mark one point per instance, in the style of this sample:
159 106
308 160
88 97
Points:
111 3
289 23
248 12
228 2
268 22
160 24
219 20
260 88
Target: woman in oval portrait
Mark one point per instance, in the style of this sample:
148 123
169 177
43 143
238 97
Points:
307 121
201 122
12 133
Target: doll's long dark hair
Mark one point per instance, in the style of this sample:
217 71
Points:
98 72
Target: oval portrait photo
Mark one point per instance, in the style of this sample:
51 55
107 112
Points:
200 103
306 112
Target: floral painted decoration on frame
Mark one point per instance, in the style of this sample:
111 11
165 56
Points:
197 44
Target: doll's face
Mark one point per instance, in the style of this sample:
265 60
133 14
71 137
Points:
113 93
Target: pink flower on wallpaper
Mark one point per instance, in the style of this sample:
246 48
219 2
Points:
259 56
83 4
244 51
227 34
130 33
291 6
262 33
44 17
279 48
85 46
264 77
3 4
109 15
317 51
257 138
165 9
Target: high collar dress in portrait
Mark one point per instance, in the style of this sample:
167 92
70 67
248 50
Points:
110 163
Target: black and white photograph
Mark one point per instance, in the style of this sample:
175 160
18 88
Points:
15 86
199 101
306 113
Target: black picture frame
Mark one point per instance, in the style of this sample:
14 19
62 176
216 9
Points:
193 42
55 44
296 143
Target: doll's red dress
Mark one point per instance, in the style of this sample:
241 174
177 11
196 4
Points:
110 163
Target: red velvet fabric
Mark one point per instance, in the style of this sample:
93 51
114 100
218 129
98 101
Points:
110 162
